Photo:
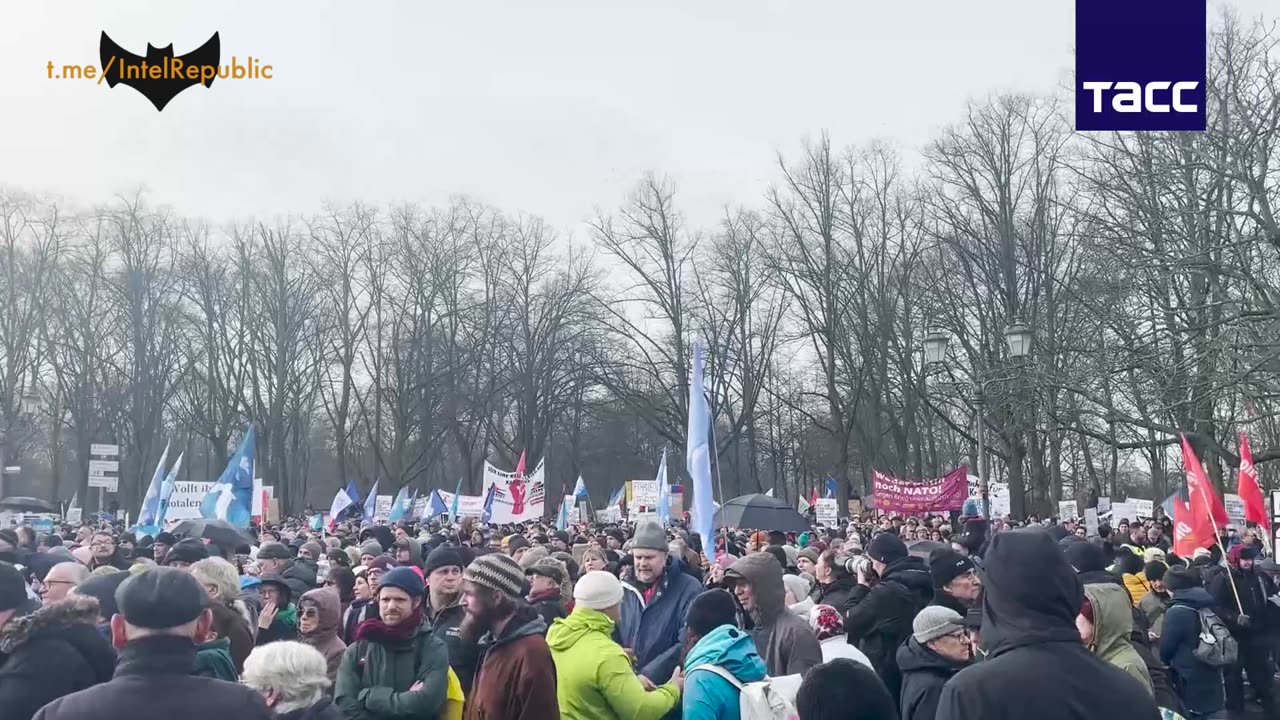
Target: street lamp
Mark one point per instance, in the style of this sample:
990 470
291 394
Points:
1018 338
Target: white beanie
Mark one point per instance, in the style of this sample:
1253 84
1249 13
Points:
597 590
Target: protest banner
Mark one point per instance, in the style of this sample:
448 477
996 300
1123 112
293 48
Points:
185 500
827 510
1067 510
515 499
897 495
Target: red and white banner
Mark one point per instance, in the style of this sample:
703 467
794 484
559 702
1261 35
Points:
920 496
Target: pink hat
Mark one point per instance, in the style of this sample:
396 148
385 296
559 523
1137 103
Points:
725 560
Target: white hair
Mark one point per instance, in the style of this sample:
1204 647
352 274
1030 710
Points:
78 573
296 672
219 573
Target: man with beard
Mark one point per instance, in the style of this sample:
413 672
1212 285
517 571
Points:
654 607
955 580
878 619
395 668
105 553
160 548
787 643
515 676
445 611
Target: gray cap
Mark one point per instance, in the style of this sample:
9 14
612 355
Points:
935 621
274 551
649 536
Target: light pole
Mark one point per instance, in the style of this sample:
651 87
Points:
1018 339
27 405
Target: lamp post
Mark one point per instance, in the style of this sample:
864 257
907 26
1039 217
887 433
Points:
27 405
1018 338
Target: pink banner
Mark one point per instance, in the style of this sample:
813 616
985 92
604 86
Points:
921 496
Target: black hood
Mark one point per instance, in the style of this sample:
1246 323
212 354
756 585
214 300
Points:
914 657
1031 595
912 573
1095 577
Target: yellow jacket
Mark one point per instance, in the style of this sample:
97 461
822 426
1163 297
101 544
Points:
1137 585
453 700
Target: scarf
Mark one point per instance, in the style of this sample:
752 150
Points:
375 630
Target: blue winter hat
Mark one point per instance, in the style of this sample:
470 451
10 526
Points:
403 578
970 508
249 581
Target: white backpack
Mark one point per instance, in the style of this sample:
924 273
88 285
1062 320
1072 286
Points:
757 700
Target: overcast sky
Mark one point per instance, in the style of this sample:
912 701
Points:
542 106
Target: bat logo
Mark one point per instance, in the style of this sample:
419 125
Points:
159 76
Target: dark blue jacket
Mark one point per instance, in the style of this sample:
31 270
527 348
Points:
654 631
1198 685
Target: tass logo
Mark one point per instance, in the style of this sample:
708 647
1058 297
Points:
1140 64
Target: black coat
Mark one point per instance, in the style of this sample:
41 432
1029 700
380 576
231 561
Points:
836 594
1037 666
154 680
447 625
1254 588
300 576
1198 685
55 651
924 672
878 619
323 710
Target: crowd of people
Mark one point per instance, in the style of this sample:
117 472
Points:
881 618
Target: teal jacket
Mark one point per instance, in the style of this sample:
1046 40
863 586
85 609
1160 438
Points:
213 660
708 696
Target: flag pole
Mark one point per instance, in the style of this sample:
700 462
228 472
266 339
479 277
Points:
1218 541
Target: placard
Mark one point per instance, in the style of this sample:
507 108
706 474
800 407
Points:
1091 522
515 499
1122 511
1104 505
1235 509
1067 510
644 494
1143 508
382 506
103 449
185 500
827 510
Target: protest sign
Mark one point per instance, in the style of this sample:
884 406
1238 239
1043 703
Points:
827 510
1067 510
185 500
897 495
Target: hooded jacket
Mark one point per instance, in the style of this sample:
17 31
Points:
416 558
878 619
707 696
213 660
924 672
515 676
787 643
1112 623
1199 686
1036 661
652 629
300 575
284 626
594 678
55 651
374 677
325 637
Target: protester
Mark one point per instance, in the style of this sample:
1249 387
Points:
292 678
937 649
955 580
834 583
594 678
1240 596
545 578
1031 598
878 618
319 621
279 617
1156 601
230 614
1199 685
396 667
787 644
844 690
298 573
60 579
51 652
655 604
162 617
364 606
515 675
828 625
1104 622
185 553
105 553
160 548
714 641
213 658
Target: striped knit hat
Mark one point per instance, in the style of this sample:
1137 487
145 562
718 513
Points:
497 572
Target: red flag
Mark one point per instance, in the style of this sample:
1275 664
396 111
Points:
520 465
1204 501
1255 510
1189 532
813 498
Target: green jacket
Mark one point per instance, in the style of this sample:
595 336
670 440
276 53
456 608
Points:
213 660
1112 624
374 678
594 679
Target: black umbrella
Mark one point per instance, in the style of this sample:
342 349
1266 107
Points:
922 548
28 504
760 512
218 531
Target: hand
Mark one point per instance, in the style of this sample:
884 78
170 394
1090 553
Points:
631 655
646 682
1244 620
268 615
677 677
862 576
416 686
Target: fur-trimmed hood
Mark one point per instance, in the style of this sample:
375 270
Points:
55 616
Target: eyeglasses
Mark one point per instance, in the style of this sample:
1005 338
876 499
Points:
310 612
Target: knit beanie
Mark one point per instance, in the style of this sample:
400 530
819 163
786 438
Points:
406 578
370 547
443 556
498 573
315 548
935 621
1180 578
597 590
886 547
1155 570
946 565
710 610
649 536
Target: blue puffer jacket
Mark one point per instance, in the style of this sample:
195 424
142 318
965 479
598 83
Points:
1198 685
654 630
707 696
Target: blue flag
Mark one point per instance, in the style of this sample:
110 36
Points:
438 506
664 492
151 501
698 458
231 498
830 487
166 491
371 501
580 489
488 504
562 519
399 505
453 506
616 497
